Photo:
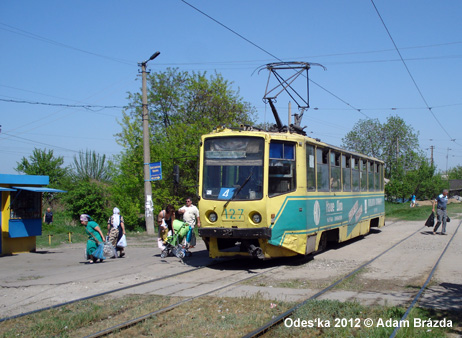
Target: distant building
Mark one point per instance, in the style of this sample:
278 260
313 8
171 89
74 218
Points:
21 211
455 188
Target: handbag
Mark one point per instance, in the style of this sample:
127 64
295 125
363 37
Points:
430 220
122 242
108 250
191 237
99 252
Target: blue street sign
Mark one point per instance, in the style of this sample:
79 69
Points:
155 171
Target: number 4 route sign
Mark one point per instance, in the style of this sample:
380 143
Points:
226 193
155 171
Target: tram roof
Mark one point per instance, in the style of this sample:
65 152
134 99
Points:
286 136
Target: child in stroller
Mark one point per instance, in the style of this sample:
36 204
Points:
173 243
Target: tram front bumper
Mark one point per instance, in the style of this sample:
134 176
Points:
252 233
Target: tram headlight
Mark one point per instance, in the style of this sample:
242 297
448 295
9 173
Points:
213 217
256 217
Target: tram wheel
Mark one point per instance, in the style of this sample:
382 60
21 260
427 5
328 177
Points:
322 242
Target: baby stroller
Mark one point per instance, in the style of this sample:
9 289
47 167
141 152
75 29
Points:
173 243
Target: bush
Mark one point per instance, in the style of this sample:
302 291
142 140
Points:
88 197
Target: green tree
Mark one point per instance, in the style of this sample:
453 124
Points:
88 197
397 145
43 162
390 142
183 106
423 182
90 165
455 173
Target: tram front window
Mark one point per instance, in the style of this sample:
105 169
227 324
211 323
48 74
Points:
233 168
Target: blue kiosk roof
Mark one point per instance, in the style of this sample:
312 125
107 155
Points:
24 179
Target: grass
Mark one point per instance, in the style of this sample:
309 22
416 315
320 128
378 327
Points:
202 317
219 317
350 316
403 212
60 230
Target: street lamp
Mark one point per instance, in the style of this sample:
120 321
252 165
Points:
146 150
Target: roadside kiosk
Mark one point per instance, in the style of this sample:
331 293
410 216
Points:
21 211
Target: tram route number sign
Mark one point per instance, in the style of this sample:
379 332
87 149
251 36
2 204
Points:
155 171
226 193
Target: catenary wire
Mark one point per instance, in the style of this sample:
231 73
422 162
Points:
270 54
22 32
409 72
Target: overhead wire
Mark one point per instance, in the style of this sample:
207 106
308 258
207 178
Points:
409 73
272 55
37 142
30 35
323 88
85 106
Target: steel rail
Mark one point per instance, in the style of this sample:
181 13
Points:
106 292
135 321
286 314
424 286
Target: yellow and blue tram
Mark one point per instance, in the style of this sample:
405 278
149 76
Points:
273 194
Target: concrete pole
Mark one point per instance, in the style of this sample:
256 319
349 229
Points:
148 207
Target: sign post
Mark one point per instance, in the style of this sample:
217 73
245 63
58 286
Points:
155 171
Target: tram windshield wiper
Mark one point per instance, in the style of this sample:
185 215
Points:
236 192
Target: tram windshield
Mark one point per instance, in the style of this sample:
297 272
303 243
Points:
233 168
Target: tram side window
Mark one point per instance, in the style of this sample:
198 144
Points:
282 172
376 177
363 175
370 175
310 169
380 177
355 174
346 170
322 157
363 171
335 184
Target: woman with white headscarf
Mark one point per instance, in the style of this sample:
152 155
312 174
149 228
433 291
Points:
116 229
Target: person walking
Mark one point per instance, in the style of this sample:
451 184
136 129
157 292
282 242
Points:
190 216
95 236
115 230
441 203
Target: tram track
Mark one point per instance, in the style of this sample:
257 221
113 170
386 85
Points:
127 287
279 319
134 321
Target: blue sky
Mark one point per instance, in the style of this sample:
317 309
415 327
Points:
87 53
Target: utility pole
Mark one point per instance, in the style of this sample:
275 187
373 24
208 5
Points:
146 150
431 148
447 173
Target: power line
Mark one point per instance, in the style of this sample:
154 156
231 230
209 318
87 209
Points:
30 35
37 142
270 54
409 72
86 106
